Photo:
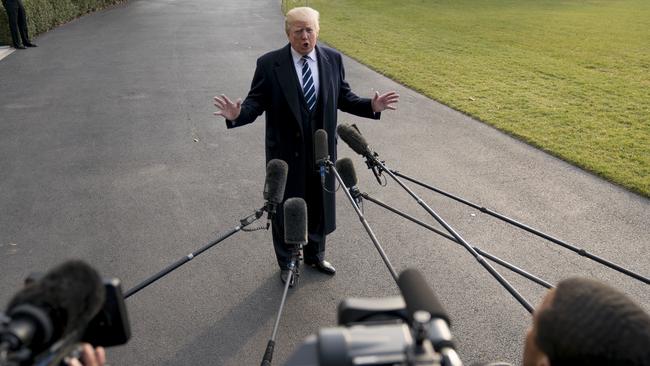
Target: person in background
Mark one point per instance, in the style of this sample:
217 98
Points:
17 24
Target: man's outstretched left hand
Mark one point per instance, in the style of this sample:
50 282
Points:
384 101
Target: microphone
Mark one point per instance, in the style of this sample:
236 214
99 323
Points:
295 234
425 311
354 139
295 221
58 305
321 153
346 171
276 180
419 296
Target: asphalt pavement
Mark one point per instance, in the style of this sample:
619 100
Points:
109 152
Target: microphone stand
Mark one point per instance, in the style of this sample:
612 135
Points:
373 159
531 230
364 222
294 264
478 250
242 224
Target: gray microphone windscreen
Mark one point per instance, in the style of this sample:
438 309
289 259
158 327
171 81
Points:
295 221
321 152
276 180
353 138
418 295
346 171
71 294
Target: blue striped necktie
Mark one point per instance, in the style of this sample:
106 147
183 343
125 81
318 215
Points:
308 87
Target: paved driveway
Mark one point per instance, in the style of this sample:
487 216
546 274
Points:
109 152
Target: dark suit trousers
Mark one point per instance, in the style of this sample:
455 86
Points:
17 22
315 248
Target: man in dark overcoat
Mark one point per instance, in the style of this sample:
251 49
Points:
300 87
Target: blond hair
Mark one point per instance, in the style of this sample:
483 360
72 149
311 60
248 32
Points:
302 14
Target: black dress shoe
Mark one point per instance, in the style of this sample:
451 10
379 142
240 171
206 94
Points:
29 44
20 47
322 266
284 275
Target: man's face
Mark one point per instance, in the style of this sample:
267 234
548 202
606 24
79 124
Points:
303 36
533 356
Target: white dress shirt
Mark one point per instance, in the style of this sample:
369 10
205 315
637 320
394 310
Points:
313 66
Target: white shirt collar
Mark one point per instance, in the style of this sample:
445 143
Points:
297 56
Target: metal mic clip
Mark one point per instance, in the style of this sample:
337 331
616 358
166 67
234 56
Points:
374 165
270 208
323 168
252 218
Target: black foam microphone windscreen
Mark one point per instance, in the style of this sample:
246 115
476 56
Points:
346 171
418 295
353 138
321 151
276 180
70 295
295 221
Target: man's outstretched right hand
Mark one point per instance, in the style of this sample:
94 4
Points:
227 109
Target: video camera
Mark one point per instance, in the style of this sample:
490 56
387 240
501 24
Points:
46 320
412 329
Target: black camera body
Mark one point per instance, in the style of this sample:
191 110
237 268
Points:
110 327
49 318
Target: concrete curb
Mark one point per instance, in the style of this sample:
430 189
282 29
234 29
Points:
6 51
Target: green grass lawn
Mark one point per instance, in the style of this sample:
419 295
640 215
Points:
570 77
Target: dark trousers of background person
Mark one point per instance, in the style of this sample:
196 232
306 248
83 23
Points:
17 21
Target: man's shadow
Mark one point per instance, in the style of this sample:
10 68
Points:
251 320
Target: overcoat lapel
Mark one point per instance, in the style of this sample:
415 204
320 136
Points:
324 77
288 80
